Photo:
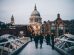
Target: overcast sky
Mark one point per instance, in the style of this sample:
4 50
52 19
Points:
48 9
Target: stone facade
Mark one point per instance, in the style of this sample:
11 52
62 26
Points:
56 26
36 21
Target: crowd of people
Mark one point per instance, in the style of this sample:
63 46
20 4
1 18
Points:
40 38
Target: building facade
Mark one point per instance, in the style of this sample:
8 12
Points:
36 21
57 26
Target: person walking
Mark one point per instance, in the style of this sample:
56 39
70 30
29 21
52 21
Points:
41 40
47 37
36 38
52 39
31 37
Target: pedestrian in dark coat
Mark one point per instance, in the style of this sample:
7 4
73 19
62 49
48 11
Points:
52 39
36 38
41 40
47 37
31 37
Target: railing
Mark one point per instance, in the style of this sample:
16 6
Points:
6 48
65 45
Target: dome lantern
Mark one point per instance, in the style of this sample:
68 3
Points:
35 7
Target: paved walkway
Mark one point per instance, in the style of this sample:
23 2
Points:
31 50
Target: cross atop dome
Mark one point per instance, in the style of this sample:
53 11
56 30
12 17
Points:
35 7
58 15
12 18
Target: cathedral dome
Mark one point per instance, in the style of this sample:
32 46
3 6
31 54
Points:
35 16
35 12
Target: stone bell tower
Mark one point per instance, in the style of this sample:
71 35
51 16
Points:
12 20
